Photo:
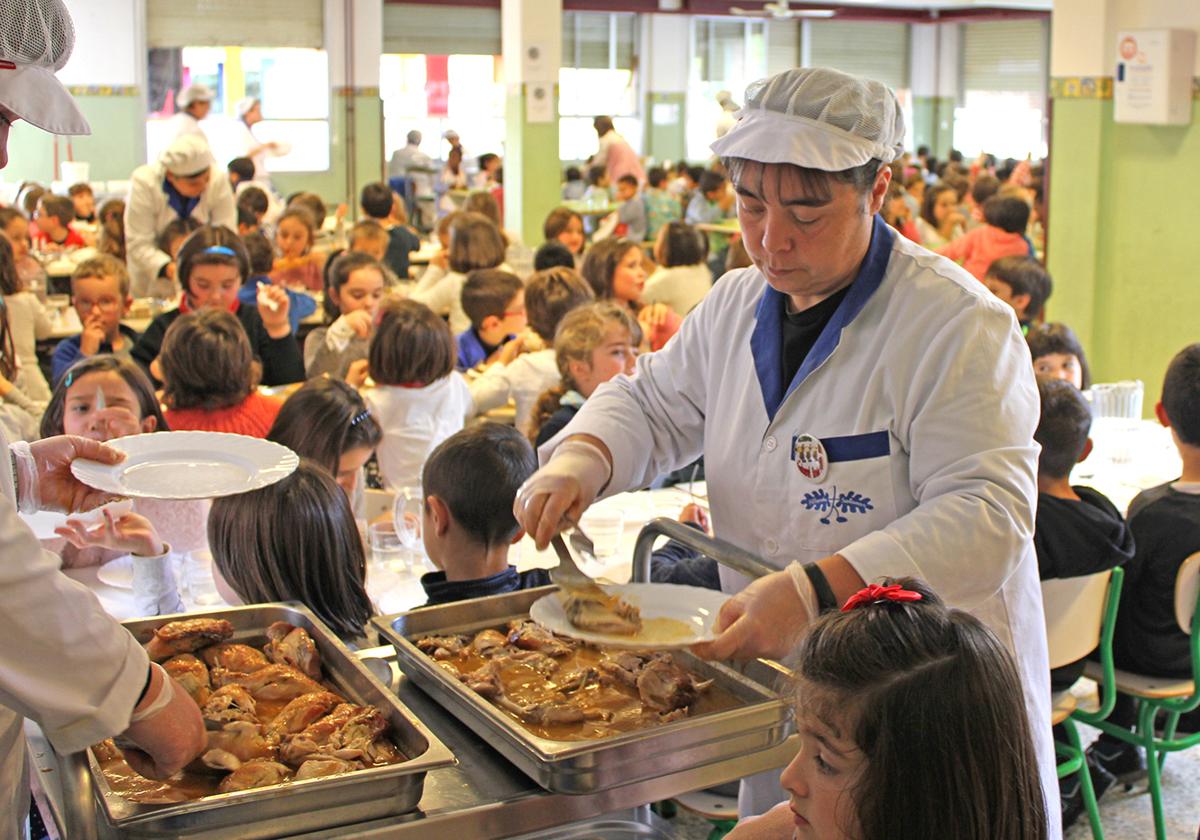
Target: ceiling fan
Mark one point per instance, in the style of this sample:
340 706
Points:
780 10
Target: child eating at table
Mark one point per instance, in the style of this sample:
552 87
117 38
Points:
212 265
550 295
327 422
296 266
262 260
613 268
1165 522
54 216
1022 283
1003 235
210 377
892 742
419 399
377 200
475 243
661 207
28 323
682 278
1057 354
174 235
469 482
111 239
565 226
494 300
83 199
294 540
631 215
352 296
100 294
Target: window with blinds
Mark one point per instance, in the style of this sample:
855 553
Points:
598 40
235 23
877 51
1005 55
414 28
722 47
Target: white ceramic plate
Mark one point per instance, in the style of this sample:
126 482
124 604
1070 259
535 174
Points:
673 615
188 465
117 572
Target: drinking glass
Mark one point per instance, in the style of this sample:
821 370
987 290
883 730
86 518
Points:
202 590
604 526
387 549
408 513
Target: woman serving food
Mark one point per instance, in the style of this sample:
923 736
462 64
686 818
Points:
863 407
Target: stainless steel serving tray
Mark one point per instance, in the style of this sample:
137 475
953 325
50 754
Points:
761 722
309 805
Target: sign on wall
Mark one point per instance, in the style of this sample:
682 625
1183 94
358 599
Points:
1153 79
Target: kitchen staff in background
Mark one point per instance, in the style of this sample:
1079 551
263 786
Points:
614 153
194 103
183 183
249 112
64 662
863 406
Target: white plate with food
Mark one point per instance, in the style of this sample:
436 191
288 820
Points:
664 615
188 465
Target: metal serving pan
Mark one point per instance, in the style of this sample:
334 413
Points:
762 721
293 807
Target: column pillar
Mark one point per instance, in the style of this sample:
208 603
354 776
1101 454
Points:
531 42
1120 244
934 49
664 40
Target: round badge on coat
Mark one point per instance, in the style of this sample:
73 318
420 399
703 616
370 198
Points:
809 454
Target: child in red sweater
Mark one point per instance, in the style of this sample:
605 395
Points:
1002 235
54 214
210 377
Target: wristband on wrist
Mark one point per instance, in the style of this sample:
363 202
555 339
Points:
165 695
804 589
826 600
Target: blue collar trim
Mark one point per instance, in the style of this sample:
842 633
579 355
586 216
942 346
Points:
182 206
766 341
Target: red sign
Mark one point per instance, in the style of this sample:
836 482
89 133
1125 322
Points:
437 85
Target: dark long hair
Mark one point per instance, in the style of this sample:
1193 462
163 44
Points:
933 700
295 540
130 371
324 419
10 284
600 264
211 245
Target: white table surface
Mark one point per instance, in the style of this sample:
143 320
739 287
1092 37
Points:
396 592
1123 463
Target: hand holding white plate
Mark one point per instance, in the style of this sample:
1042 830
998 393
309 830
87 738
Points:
188 465
673 615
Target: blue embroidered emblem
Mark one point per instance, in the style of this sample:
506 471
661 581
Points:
833 503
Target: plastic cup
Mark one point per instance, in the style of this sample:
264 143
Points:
387 548
605 528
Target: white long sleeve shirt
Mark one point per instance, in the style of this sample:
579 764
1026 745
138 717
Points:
522 380
63 662
922 391
414 422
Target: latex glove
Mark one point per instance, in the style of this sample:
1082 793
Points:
563 489
764 619
166 731
45 481
776 824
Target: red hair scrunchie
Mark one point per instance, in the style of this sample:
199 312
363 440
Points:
874 593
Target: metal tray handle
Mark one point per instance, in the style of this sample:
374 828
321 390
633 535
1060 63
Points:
727 554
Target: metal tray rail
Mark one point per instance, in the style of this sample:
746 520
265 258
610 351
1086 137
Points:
308 805
762 721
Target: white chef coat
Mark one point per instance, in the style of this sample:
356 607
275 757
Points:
63 662
147 213
922 391
248 143
182 123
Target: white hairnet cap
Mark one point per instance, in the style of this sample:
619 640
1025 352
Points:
195 93
818 118
245 106
36 39
187 155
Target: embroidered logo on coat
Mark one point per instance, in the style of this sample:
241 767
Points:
835 504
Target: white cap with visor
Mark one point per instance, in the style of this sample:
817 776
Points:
818 118
36 39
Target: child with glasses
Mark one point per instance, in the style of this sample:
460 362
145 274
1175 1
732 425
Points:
100 294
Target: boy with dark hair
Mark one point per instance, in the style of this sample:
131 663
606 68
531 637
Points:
470 481
573 184
252 206
262 259
661 206
494 300
84 200
53 217
553 253
1002 235
1021 282
631 215
376 200
1165 521
240 169
711 202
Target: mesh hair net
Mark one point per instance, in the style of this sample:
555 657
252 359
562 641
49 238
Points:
36 39
818 118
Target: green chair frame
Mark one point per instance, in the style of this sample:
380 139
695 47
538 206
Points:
1072 752
1148 708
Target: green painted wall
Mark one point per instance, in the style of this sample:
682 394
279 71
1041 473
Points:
667 141
933 123
117 147
1122 239
532 176
367 150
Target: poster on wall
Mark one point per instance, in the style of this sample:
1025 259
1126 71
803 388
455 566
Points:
1152 84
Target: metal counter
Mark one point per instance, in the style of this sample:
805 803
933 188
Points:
483 797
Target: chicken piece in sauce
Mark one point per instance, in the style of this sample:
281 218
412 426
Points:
290 645
187 636
302 712
529 635
229 703
240 741
274 682
255 774
192 676
230 656
317 768
666 687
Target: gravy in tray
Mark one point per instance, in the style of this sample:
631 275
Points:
563 690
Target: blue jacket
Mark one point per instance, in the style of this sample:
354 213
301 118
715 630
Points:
300 305
66 352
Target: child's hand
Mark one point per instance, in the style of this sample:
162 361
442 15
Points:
694 514
92 336
441 259
131 533
357 373
274 317
341 211
360 321
508 351
531 342
653 316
